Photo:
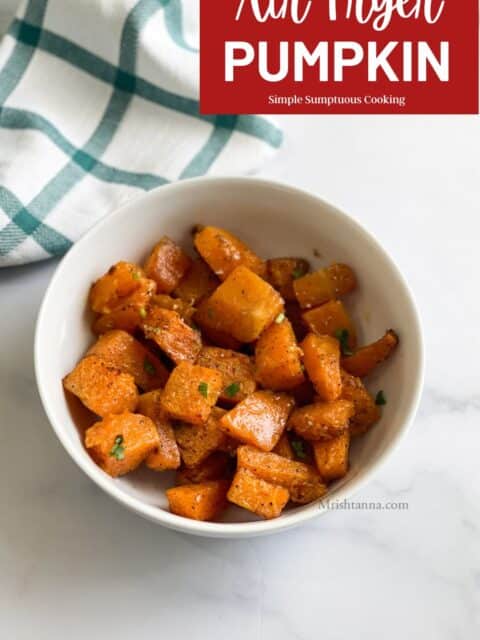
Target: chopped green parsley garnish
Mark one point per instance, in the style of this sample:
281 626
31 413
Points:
280 318
298 448
136 275
118 450
203 389
149 367
143 312
342 336
232 389
380 398
297 273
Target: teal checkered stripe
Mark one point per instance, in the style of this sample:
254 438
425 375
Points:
29 219
90 63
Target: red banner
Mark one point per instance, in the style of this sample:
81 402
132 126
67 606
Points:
339 56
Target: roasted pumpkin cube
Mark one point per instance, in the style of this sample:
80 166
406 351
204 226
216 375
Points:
343 279
198 283
197 442
262 498
203 501
236 369
166 454
322 420
308 492
205 319
223 252
130 312
324 285
321 357
120 350
120 443
313 289
215 467
191 392
332 319
259 419
366 413
284 448
281 273
364 361
120 281
243 305
174 337
302 481
331 456
184 309
102 389
167 264
277 357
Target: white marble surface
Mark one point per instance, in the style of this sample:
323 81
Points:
74 564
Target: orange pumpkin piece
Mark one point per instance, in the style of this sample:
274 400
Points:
364 361
166 454
321 357
174 337
197 442
118 283
203 501
281 273
302 481
120 443
284 448
259 419
331 456
243 305
262 498
215 467
130 312
167 264
277 358
236 369
223 252
205 319
309 491
184 310
343 279
198 283
102 389
366 412
322 420
191 392
324 285
330 319
120 350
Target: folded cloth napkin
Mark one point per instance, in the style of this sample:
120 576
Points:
99 102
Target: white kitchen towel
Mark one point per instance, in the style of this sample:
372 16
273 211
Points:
99 102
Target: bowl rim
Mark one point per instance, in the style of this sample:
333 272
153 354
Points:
221 529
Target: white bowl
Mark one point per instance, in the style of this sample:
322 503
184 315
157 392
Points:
275 220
